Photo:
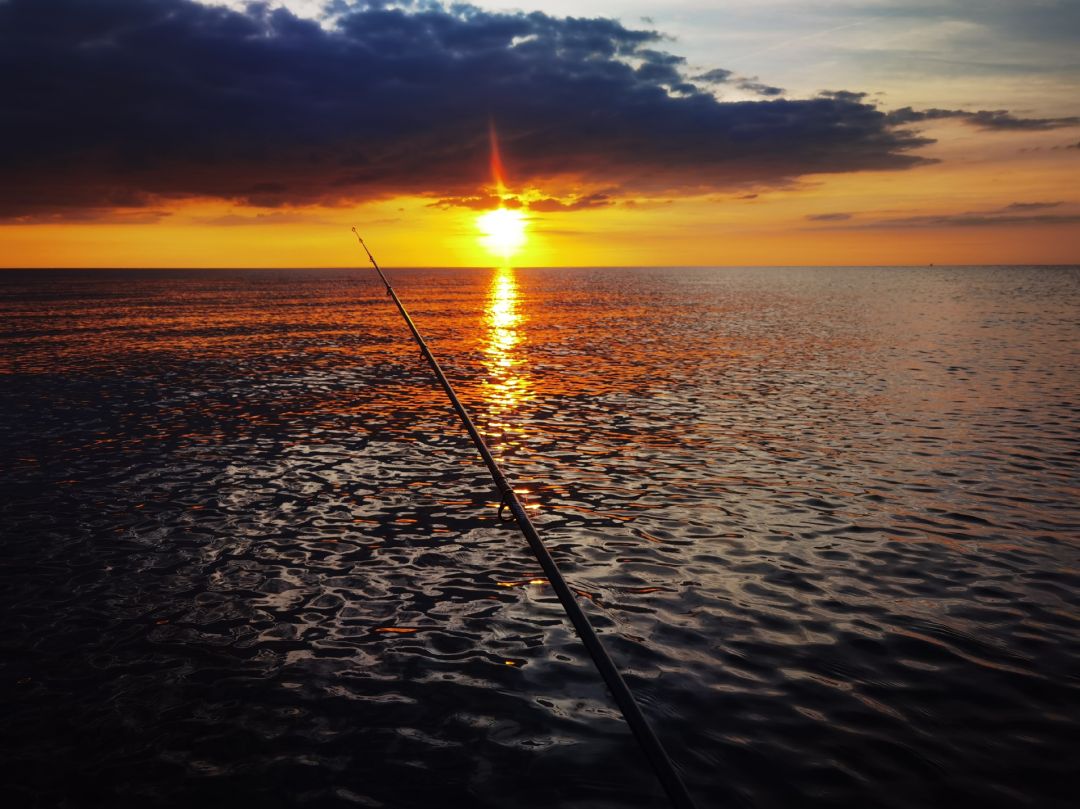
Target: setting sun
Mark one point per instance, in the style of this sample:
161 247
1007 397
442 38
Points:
503 231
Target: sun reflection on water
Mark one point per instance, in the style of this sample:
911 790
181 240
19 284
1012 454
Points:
507 385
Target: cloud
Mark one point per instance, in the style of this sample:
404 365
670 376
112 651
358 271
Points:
660 68
478 202
828 217
1032 206
760 89
98 216
716 76
1015 214
129 103
233 220
972 220
579 204
750 84
647 204
485 202
844 95
995 120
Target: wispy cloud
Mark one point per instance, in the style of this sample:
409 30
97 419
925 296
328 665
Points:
974 220
750 84
1014 214
715 76
1033 206
760 88
996 120
241 220
484 202
549 204
477 202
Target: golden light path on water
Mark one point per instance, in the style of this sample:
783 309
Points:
507 385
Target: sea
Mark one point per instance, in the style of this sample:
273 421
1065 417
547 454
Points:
826 521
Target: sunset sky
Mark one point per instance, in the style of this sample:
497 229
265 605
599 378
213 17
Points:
174 133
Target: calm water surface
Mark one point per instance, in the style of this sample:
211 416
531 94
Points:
826 520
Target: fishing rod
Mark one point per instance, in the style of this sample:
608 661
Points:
647 739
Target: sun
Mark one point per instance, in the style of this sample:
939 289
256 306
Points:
503 231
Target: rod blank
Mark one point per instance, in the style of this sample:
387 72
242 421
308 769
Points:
624 698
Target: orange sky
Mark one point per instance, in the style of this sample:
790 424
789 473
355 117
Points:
1003 194
714 229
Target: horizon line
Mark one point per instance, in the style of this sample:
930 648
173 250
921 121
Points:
544 266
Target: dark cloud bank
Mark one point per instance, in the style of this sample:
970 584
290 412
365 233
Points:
125 103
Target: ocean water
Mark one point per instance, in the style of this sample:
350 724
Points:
827 522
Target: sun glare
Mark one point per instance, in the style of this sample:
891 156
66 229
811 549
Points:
503 231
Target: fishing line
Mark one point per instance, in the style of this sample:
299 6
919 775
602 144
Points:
647 739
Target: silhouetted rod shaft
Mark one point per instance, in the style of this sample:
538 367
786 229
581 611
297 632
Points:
650 744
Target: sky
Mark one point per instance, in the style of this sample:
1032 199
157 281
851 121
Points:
176 133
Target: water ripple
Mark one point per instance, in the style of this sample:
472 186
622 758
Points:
825 521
